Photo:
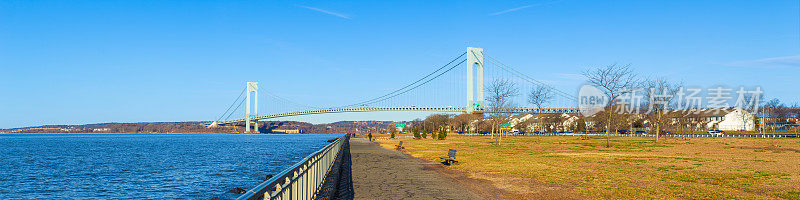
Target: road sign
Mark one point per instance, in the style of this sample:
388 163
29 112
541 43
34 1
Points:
400 125
505 126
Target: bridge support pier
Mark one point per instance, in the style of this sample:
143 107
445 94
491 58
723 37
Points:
474 60
251 87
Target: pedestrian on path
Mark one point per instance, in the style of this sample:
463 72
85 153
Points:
370 136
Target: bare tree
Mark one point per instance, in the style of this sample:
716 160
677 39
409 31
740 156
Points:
539 96
555 122
461 122
659 94
392 130
771 109
795 111
416 124
614 80
500 93
525 125
436 122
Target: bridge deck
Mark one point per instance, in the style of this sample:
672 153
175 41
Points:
406 109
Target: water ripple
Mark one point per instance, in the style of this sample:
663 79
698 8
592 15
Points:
175 166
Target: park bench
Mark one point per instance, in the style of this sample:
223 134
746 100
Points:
400 145
451 157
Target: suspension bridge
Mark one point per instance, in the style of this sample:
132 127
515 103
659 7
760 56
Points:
442 90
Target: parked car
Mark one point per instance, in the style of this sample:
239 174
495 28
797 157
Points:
623 131
641 132
715 132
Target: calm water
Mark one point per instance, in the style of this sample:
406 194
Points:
183 166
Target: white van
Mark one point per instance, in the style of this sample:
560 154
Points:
716 132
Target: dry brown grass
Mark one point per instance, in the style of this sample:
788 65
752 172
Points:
567 167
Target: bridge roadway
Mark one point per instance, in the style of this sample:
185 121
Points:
411 108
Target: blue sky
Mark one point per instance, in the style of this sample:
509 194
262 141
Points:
76 62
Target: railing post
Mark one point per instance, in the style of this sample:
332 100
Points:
287 194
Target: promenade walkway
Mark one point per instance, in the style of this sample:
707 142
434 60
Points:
380 173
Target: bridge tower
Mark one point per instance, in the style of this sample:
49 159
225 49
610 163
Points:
474 60
251 87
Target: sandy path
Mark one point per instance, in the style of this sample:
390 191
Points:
380 173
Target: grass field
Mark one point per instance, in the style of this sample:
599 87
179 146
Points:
533 167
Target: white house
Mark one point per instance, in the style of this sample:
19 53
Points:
728 119
734 120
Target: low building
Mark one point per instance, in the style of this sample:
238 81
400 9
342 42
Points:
728 119
101 130
287 131
529 122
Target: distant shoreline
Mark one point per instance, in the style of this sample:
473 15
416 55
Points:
162 133
108 133
270 127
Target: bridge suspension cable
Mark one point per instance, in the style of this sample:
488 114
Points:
528 78
231 106
235 109
288 101
437 76
395 92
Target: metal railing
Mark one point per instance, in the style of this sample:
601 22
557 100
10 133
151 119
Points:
301 180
